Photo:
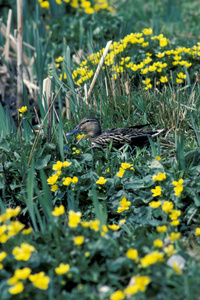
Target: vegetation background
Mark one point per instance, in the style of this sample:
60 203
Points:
99 225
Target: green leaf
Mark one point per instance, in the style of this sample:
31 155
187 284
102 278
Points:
41 163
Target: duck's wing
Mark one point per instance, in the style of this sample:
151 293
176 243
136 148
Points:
105 139
121 136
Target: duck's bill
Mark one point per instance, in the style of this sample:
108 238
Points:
75 130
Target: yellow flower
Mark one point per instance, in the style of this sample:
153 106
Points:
118 295
181 75
158 158
62 268
121 172
17 288
59 210
66 164
101 181
163 79
27 231
85 224
177 183
151 259
146 81
174 214
167 206
124 203
59 59
67 181
44 4
57 166
147 31
159 177
120 209
79 240
52 179
89 10
94 225
13 212
3 254
178 80
114 227
155 204
160 55
74 179
137 283
197 231
158 243
59 2
23 252
157 191
121 222
174 236
107 170
40 281
163 42
169 250
178 189
126 166
22 273
54 187
74 218
175 222
132 253
23 109
162 228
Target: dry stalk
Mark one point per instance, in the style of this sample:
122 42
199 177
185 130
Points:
7 44
98 70
19 53
68 111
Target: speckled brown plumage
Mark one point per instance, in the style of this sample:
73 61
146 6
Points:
134 136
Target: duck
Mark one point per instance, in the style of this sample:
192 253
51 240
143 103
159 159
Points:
135 136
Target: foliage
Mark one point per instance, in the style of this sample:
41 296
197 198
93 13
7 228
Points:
77 222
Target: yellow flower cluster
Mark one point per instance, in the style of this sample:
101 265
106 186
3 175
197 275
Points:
52 180
123 167
81 5
124 205
22 110
117 64
178 187
74 218
23 252
93 224
13 227
159 177
137 284
152 258
40 281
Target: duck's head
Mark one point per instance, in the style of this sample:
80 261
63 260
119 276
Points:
89 125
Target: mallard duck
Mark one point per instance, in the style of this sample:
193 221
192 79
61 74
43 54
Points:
134 136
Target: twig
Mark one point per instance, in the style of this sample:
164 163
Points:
98 69
19 53
7 45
